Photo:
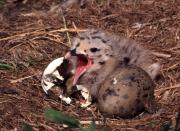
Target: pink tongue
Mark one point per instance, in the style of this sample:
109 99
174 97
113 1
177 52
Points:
81 68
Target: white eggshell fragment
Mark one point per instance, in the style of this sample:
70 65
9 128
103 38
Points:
86 95
50 77
47 81
65 99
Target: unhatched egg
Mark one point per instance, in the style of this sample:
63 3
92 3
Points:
125 92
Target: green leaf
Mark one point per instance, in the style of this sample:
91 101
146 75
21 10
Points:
84 129
2 2
27 127
93 126
5 66
59 117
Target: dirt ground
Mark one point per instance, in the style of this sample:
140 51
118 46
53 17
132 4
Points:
32 34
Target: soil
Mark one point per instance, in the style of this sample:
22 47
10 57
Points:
32 34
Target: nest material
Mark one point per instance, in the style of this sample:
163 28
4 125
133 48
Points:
32 35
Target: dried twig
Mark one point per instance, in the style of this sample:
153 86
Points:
92 112
23 78
65 26
18 35
175 66
110 16
39 33
1 102
161 55
46 126
57 41
75 27
67 30
89 122
168 88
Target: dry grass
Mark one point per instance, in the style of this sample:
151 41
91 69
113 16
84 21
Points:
32 34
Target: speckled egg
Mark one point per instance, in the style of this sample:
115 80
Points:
125 92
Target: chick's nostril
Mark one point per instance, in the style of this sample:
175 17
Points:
73 52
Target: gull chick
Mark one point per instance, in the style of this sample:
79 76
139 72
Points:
98 52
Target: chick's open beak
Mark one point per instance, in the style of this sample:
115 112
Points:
70 53
73 52
83 64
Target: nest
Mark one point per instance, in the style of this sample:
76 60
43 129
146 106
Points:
33 33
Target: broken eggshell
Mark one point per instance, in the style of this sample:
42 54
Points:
54 76
58 80
86 95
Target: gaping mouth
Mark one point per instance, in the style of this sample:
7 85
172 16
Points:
83 64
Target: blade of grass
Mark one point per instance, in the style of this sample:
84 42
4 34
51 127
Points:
67 33
2 1
5 66
93 126
27 127
59 117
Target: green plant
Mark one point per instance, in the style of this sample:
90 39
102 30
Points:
61 118
5 66
27 127
2 2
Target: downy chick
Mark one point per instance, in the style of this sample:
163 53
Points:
101 46
102 50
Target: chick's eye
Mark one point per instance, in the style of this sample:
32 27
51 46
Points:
94 49
78 44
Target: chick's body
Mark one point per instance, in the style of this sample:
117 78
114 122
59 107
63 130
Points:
107 50
121 77
92 80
